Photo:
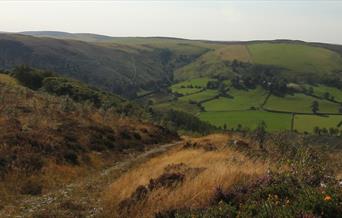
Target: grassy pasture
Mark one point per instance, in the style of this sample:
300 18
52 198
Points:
186 91
203 68
321 89
296 57
241 100
200 82
214 62
196 84
206 94
308 122
299 103
179 106
250 119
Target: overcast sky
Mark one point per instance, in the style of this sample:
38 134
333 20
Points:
213 20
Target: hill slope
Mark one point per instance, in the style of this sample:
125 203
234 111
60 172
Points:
126 64
119 68
47 141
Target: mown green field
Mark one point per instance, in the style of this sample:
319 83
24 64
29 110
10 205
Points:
308 122
299 103
250 119
199 82
296 57
206 94
186 91
240 100
190 86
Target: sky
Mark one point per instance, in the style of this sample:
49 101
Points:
319 21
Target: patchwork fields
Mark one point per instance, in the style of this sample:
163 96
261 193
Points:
246 108
239 99
300 103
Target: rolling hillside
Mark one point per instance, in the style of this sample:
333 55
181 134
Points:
110 66
47 141
116 63
173 73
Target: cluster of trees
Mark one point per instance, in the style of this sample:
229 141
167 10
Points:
179 120
191 86
30 77
218 85
331 80
251 75
326 95
327 132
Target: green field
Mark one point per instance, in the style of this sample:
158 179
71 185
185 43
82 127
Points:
190 86
186 91
250 119
308 122
240 100
206 94
296 57
178 105
299 103
321 89
199 82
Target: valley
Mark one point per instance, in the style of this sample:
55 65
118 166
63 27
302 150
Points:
100 126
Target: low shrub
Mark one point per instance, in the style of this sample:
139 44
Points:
31 187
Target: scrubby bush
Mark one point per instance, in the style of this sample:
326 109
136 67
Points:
305 187
29 77
186 121
31 187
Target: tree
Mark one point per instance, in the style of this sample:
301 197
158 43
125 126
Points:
333 131
225 126
317 130
326 95
260 133
310 90
340 109
314 106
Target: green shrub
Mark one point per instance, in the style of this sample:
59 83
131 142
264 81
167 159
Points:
29 77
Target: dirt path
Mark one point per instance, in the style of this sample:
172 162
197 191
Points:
80 199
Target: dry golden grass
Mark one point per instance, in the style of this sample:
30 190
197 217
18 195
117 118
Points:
234 52
7 79
221 168
55 139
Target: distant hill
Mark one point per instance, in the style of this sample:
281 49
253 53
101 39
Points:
114 67
125 65
88 37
